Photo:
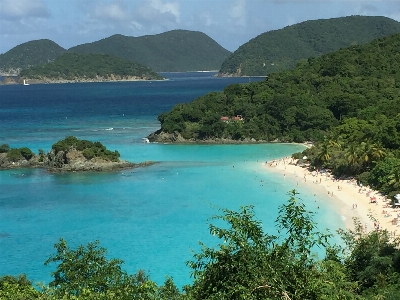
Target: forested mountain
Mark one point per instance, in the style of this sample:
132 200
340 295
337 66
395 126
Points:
89 67
176 50
360 81
29 54
280 49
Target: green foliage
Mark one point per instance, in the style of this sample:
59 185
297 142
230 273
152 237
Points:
26 153
71 66
16 154
17 288
84 268
30 54
86 273
89 149
373 260
385 175
281 49
4 148
172 51
357 86
250 264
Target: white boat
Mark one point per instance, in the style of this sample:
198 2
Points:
145 140
25 82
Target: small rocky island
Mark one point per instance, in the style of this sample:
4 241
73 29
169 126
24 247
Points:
68 155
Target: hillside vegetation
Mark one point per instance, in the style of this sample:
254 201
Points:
360 81
176 50
280 49
89 67
29 54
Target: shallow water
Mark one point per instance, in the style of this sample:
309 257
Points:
150 217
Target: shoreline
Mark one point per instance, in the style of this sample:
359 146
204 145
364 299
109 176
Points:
349 199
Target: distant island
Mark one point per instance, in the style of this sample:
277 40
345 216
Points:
72 67
68 155
172 51
281 49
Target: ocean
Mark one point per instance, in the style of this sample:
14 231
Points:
152 218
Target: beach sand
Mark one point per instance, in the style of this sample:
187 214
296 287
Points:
351 200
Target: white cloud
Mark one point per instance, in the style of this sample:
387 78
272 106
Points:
12 9
112 12
156 8
238 13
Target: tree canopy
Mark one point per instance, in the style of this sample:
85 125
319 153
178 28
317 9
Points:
89 149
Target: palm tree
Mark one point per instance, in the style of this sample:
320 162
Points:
394 178
325 150
378 152
352 156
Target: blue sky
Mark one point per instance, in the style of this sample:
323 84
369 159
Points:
229 22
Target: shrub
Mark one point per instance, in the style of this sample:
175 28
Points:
4 148
26 153
14 154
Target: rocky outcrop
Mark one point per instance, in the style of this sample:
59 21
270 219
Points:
8 80
175 137
72 161
164 137
5 163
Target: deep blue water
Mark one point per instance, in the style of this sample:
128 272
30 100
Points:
150 217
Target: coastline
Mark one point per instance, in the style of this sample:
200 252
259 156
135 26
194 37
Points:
349 199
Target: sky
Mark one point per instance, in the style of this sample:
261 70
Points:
230 23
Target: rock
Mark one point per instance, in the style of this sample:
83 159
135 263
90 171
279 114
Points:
71 161
164 137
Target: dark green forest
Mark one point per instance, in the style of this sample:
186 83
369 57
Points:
30 54
279 50
72 66
246 263
172 51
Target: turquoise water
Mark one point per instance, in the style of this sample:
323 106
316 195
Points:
149 217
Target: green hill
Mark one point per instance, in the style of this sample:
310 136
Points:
88 67
280 49
177 50
29 54
302 104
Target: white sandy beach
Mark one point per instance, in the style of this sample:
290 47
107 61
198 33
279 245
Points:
350 199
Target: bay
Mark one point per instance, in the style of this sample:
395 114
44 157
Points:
152 218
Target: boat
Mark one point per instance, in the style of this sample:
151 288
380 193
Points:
25 83
145 140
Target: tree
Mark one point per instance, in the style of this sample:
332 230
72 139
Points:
17 288
373 260
85 268
4 148
250 264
